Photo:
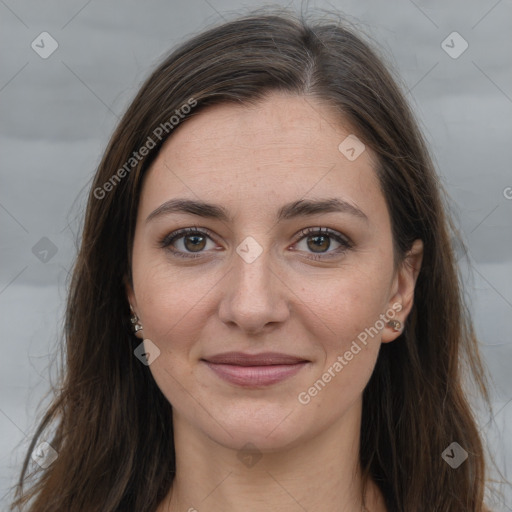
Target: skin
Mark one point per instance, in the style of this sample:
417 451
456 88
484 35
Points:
252 160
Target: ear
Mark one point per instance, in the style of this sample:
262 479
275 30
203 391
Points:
402 296
130 295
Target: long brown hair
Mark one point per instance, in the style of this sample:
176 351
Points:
114 432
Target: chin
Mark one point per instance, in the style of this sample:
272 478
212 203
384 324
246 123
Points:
266 425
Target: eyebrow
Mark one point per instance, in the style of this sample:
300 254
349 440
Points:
300 208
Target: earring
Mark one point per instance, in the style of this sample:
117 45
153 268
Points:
395 324
137 326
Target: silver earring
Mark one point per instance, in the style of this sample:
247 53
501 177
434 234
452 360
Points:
395 324
137 326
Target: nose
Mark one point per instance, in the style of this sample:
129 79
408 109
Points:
254 296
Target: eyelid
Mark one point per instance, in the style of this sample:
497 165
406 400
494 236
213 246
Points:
169 238
326 231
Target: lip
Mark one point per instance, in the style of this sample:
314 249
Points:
255 370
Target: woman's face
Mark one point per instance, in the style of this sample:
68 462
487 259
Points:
263 280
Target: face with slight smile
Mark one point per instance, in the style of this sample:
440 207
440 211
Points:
255 283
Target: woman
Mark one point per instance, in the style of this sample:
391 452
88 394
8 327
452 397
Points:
265 312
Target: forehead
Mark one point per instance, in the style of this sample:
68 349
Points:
280 124
281 149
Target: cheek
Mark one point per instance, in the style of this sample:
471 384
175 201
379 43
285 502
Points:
344 304
349 335
172 302
167 308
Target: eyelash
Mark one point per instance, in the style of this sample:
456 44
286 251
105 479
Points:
167 241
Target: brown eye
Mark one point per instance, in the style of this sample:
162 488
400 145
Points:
319 242
192 240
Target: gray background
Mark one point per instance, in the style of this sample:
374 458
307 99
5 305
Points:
58 113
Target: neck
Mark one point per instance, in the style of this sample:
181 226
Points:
320 473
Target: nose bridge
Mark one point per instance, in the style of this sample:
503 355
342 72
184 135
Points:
253 295
252 265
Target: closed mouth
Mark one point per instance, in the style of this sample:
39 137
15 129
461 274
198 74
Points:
255 370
